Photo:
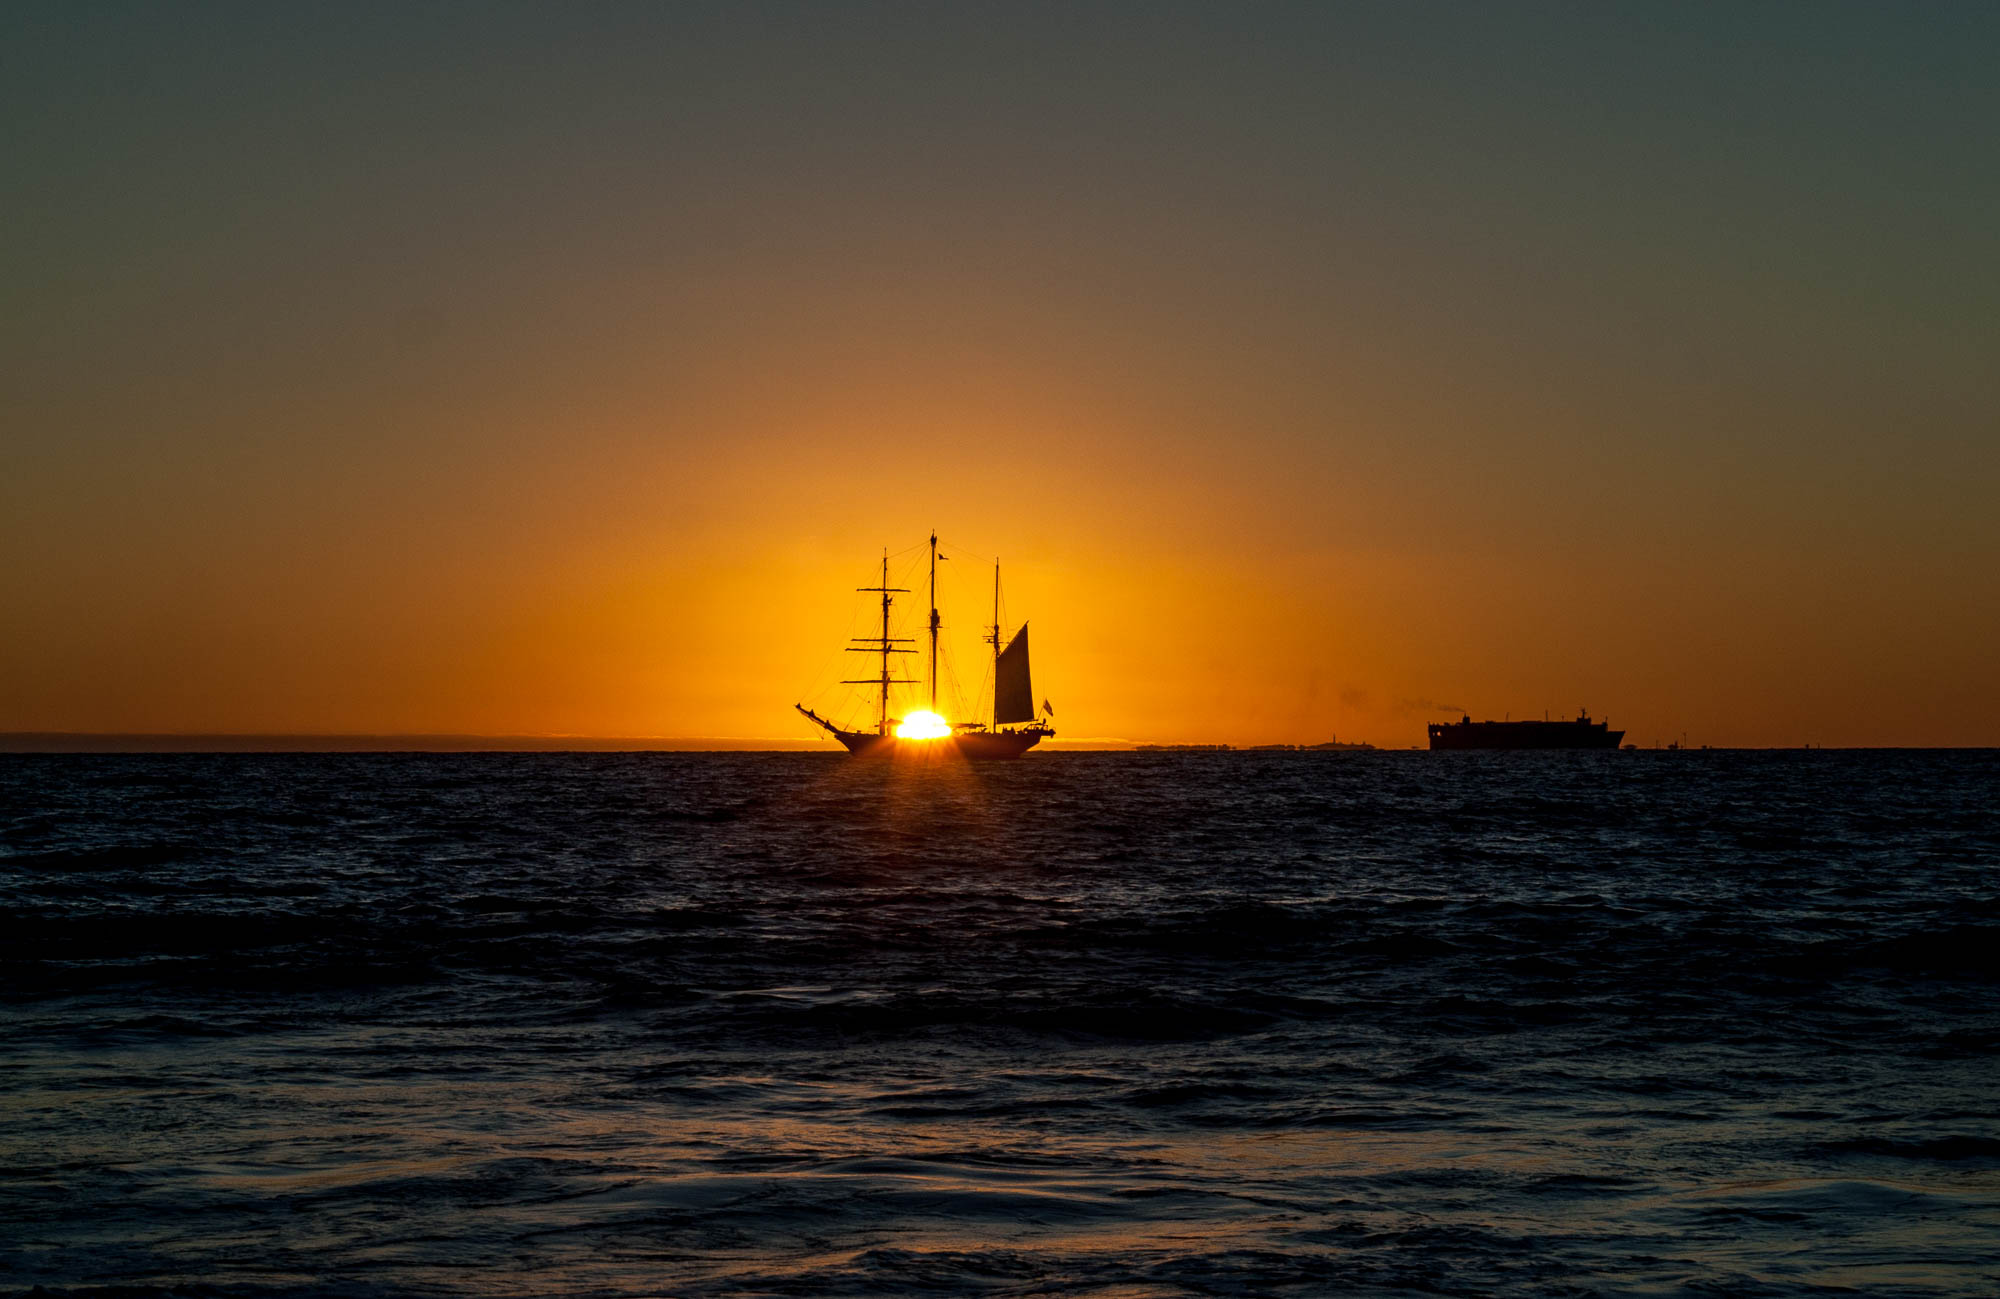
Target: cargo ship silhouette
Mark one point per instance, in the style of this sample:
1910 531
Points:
1579 734
927 730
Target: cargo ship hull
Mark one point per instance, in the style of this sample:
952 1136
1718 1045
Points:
1579 734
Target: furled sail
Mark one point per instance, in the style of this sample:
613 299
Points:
1013 696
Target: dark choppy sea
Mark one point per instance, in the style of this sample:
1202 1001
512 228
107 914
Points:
1097 1024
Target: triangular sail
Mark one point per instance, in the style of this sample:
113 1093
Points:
1013 695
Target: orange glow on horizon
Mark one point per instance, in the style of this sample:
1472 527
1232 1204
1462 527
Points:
1297 407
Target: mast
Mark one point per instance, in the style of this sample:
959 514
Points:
996 644
934 621
883 645
882 721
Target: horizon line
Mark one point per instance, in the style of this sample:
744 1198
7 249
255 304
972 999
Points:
142 742
424 741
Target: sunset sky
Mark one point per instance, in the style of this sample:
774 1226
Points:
1312 369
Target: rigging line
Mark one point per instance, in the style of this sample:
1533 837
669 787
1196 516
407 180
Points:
959 552
820 685
911 576
948 680
953 580
858 611
961 711
904 612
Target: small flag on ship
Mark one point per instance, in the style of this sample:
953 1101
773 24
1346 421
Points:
1045 708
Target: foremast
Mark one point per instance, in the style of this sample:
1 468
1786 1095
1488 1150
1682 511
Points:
885 645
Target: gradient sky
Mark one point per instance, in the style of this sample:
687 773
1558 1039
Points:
1315 369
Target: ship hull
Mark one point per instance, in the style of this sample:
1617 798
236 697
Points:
996 744
1524 735
980 745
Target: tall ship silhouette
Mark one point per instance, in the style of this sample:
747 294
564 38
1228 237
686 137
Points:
1014 727
1579 734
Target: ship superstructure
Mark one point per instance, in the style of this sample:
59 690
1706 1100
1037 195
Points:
1579 734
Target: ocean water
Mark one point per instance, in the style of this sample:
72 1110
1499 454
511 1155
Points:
1091 1024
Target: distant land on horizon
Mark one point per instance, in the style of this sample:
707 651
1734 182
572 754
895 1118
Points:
418 742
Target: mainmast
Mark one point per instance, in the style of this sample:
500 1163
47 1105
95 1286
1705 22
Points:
884 645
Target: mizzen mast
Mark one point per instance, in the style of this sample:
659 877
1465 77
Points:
996 644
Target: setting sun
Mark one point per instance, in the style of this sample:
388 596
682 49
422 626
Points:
923 725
